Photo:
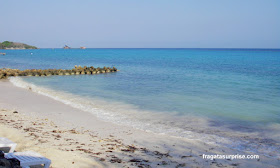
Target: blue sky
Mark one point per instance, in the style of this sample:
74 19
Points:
142 23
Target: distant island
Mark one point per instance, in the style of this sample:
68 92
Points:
15 45
67 47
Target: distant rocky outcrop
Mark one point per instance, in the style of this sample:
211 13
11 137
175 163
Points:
15 45
66 47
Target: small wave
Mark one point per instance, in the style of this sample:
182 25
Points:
125 114
189 127
116 112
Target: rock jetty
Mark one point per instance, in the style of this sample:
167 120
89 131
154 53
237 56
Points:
78 70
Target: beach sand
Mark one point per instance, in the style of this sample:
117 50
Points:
74 138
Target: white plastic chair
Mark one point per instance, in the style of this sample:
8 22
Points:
29 158
5 142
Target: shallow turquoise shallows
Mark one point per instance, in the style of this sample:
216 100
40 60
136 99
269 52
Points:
190 93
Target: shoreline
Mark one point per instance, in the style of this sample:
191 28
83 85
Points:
113 145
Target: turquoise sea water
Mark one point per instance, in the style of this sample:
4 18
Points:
190 93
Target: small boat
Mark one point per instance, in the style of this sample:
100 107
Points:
82 47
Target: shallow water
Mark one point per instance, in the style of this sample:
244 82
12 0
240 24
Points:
190 93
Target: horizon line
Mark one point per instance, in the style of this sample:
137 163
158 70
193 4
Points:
152 48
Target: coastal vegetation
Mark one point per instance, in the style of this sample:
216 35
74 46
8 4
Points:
78 70
15 45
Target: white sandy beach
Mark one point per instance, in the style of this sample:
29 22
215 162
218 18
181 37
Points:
74 138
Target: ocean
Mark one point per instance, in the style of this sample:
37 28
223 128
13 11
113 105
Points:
226 97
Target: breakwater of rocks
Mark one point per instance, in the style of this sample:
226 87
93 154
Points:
78 70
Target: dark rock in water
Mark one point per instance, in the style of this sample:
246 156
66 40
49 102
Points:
55 72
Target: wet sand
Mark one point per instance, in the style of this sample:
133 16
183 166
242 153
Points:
74 138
